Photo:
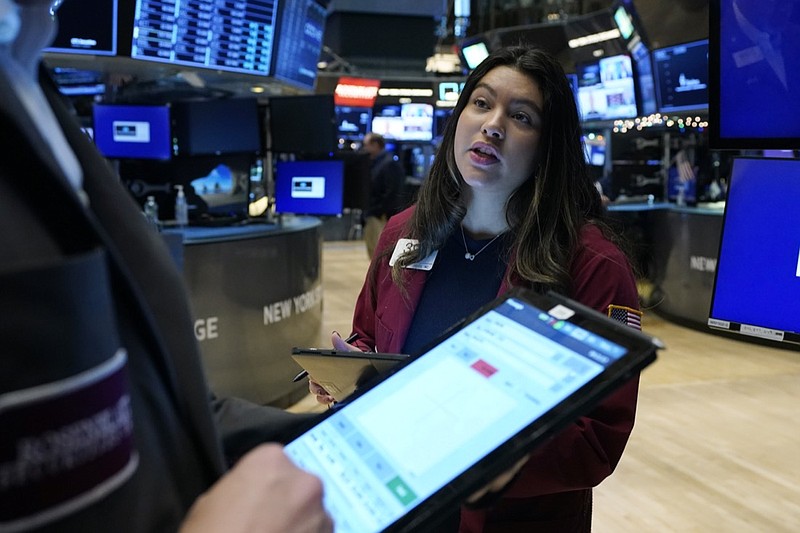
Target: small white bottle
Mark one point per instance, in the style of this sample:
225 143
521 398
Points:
151 211
181 209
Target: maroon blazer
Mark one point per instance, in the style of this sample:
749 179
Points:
553 490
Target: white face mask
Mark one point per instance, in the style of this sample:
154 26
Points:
9 21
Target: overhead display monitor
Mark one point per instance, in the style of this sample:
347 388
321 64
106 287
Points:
216 127
404 122
755 68
681 73
757 286
353 122
595 149
299 43
606 89
229 36
132 131
79 82
309 187
79 33
624 22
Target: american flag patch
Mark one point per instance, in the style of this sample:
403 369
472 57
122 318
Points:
626 315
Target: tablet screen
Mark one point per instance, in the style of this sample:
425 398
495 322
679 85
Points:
392 447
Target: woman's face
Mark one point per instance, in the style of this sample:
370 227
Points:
497 136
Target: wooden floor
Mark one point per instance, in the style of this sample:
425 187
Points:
716 445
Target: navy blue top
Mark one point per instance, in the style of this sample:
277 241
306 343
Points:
456 287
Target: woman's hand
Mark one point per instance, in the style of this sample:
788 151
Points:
318 390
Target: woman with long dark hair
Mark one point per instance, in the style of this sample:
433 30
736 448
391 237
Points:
508 202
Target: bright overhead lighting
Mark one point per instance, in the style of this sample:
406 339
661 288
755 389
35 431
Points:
594 38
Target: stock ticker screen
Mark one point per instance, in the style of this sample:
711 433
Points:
230 35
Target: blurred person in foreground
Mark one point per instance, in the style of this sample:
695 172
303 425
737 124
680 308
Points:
107 421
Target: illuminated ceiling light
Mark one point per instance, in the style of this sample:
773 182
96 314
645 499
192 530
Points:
391 91
594 38
257 89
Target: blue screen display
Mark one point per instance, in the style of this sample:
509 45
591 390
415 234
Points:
758 269
757 70
309 187
682 76
132 131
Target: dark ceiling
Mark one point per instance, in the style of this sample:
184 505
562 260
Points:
394 39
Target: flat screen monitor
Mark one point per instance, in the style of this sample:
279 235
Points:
643 65
757 286
303 124
352 123
756 101
229 36
132 131
215 127
682 76
404 122
624 22
606 89
300 32
80 33
441 116
595 149
309 187
79 82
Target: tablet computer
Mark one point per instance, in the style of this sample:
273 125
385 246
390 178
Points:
342 372
442 424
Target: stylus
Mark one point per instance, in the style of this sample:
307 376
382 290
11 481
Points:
304 373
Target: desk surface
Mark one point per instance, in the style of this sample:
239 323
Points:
250 230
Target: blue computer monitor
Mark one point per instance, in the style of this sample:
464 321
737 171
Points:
757 287
309 187
756 101
132 131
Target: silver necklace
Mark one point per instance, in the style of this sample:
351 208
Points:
469 255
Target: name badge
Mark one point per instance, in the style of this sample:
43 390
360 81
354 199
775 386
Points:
405 246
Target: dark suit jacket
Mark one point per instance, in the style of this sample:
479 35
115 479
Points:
552 492
87 281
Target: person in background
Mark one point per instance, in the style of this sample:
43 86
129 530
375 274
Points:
386 195
509 202
107 421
